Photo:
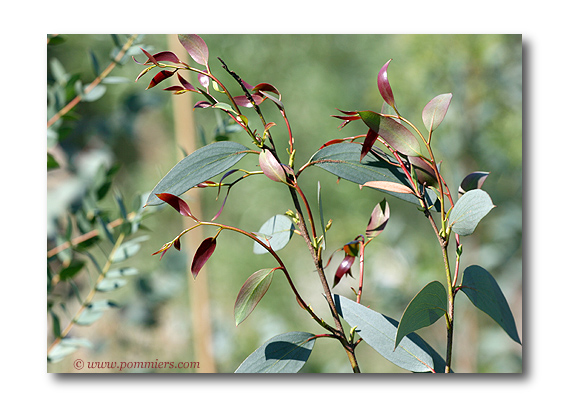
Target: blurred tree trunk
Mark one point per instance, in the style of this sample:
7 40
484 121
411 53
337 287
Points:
198 289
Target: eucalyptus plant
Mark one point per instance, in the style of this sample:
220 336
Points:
394 156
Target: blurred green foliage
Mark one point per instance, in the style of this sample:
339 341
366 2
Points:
315 74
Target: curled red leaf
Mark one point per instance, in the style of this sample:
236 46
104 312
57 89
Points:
369 141
177 203
166 56
384 86
202 255
187 85
344 268
159 77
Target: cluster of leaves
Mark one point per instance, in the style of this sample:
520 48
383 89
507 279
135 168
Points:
98 220
389 158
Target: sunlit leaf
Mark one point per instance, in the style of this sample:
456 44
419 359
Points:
94 311
399 137
251 293
469 210
166 56
277 230
424 171
159 77
426 308
389 187
177 203
343 269
122 272
198 167
378 219
284 353
271 167
384 86
66 347
434 112
110 284
202 255
484 292
196 47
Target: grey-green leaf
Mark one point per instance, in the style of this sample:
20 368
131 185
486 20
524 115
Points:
199 166
277 231
94 311
484 292
110 284
426 308
284 353
379 332
251 293
469 210
66 347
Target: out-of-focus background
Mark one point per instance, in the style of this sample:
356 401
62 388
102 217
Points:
164 315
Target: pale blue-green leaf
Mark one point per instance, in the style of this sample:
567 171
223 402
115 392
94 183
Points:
66 347
276 231
128 249
469 210
96 93
93 312
379 332
484 292
110 284
426 308
284 353
122 272
199 166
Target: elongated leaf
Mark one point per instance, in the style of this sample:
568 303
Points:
343 160
66 347
196 47
277 230
198 167
435 111
94 311
429 305
389 187
128 249
122 272
469 210
251 293
384 86
284 353
70 271
177 203
110 284
159 77
399 137
379 332
484 292
271 167
378 219
474 180
424 171
203 253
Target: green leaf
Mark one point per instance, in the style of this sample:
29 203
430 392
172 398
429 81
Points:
128 249
55 324
343 160
429 305
251 293
379 332
199 166
95 94
484 292
469 210
277 231
474 180
70 271
52 163
284 353
394 133
93 312
435 111
66 347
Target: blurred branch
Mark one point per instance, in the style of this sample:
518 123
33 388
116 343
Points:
93 84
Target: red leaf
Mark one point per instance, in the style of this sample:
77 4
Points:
202 255
177 203
334 141
202 104
378 219
176 89
150 58
266 87
177 244
196 47
343 269
159 77
187 85
271 167
384 86
244 101
166 56
369 141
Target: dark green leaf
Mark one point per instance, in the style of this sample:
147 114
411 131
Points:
94 62
284 353
56 326
474 180
484 292
379 332
199 166
277 231
426 308
469 210
52 163
251 293
70 271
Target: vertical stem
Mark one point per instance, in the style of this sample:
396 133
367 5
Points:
450 307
